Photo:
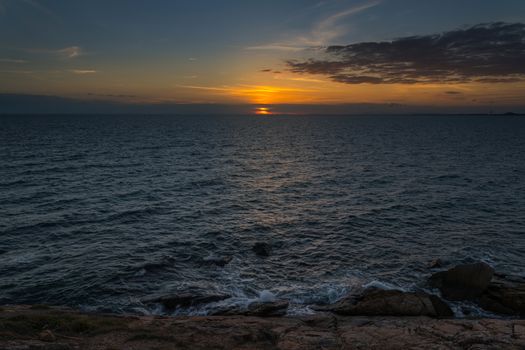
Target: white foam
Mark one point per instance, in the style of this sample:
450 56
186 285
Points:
266 296
381 285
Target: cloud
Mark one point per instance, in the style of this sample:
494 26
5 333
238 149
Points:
32 4
329 28
36 5
453 92
10 60
111 95
70 52
321 33
276 47
485 53
83 71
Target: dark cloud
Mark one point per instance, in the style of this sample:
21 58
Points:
487 53
111 95
270 71
453 92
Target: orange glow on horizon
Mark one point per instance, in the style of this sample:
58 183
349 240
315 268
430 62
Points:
262 111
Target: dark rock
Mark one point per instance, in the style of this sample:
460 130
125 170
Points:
274 308
463 281
379 302
466 311
171 302
504 296
268 309
219 261
47 336
262 248
436 263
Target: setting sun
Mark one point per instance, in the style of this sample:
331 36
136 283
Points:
262 111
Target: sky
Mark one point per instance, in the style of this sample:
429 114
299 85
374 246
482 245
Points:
274 56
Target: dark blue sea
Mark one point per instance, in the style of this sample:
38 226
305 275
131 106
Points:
104 212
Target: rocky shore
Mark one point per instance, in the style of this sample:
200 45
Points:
371 318
45 328
476 283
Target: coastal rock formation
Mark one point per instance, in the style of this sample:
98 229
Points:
505 295
462 282
379 302
20 326
171 302
261 309
436 263
47 336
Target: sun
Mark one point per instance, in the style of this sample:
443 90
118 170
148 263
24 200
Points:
262 111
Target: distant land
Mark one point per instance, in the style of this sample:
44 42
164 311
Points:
45 104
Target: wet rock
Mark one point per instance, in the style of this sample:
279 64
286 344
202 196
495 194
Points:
321 331
262 248
274 308
171 302
262 309
436 263
47 336
505 296
461 282
218 261
379 302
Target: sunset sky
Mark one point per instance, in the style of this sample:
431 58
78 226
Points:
453 53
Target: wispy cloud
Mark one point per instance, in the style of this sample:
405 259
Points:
33 4
111 95
276 47
209 88
17 71
323 32
83 71
38 6
330 28
69 52
486 53
11 60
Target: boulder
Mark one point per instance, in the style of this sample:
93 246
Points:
274 308
436 263
261 309
47 336
462 282
505 296
171 302
380 302
262 248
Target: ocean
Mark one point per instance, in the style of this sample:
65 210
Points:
103 212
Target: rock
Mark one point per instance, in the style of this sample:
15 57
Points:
219 261
504 296
320 331
171 302
461 282
380 302
274 308
262 248
436 263
261 309
47 336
